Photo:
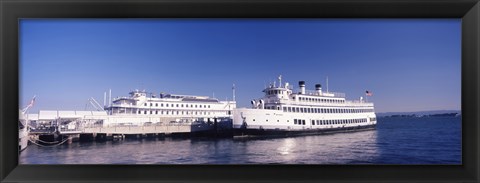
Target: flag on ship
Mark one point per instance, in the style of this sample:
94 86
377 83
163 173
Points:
368 93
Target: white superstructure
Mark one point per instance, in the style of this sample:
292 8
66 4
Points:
141 106
283 110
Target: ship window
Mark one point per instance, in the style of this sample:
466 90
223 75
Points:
156 104
294 121
208 106
151 112
196 106
151 104
303 122
166 105
144 112
313 122
145 104
284 109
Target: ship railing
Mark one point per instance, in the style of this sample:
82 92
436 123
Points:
122 105
323 93
163 121
349 103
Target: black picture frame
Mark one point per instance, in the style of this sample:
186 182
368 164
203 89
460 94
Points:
11 11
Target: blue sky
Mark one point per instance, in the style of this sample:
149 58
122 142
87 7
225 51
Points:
408 64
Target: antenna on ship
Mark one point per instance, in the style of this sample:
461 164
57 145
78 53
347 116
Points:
280 81
327 84
104 99
233 90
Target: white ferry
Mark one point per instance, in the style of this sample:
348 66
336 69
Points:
284 112
169 108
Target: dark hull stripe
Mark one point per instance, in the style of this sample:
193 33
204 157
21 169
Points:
252 133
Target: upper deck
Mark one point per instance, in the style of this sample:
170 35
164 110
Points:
285 95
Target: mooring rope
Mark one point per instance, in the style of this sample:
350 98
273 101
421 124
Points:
47 142
32 141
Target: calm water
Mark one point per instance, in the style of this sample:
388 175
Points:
435 140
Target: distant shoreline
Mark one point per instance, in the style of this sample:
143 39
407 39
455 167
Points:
422 116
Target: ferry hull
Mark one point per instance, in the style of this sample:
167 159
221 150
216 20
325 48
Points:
259 122
239 133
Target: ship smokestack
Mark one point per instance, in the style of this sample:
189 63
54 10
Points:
302 87
318 89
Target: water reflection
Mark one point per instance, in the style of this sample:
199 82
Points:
395 141
320 149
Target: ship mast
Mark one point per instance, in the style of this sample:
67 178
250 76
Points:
280 81
233 91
